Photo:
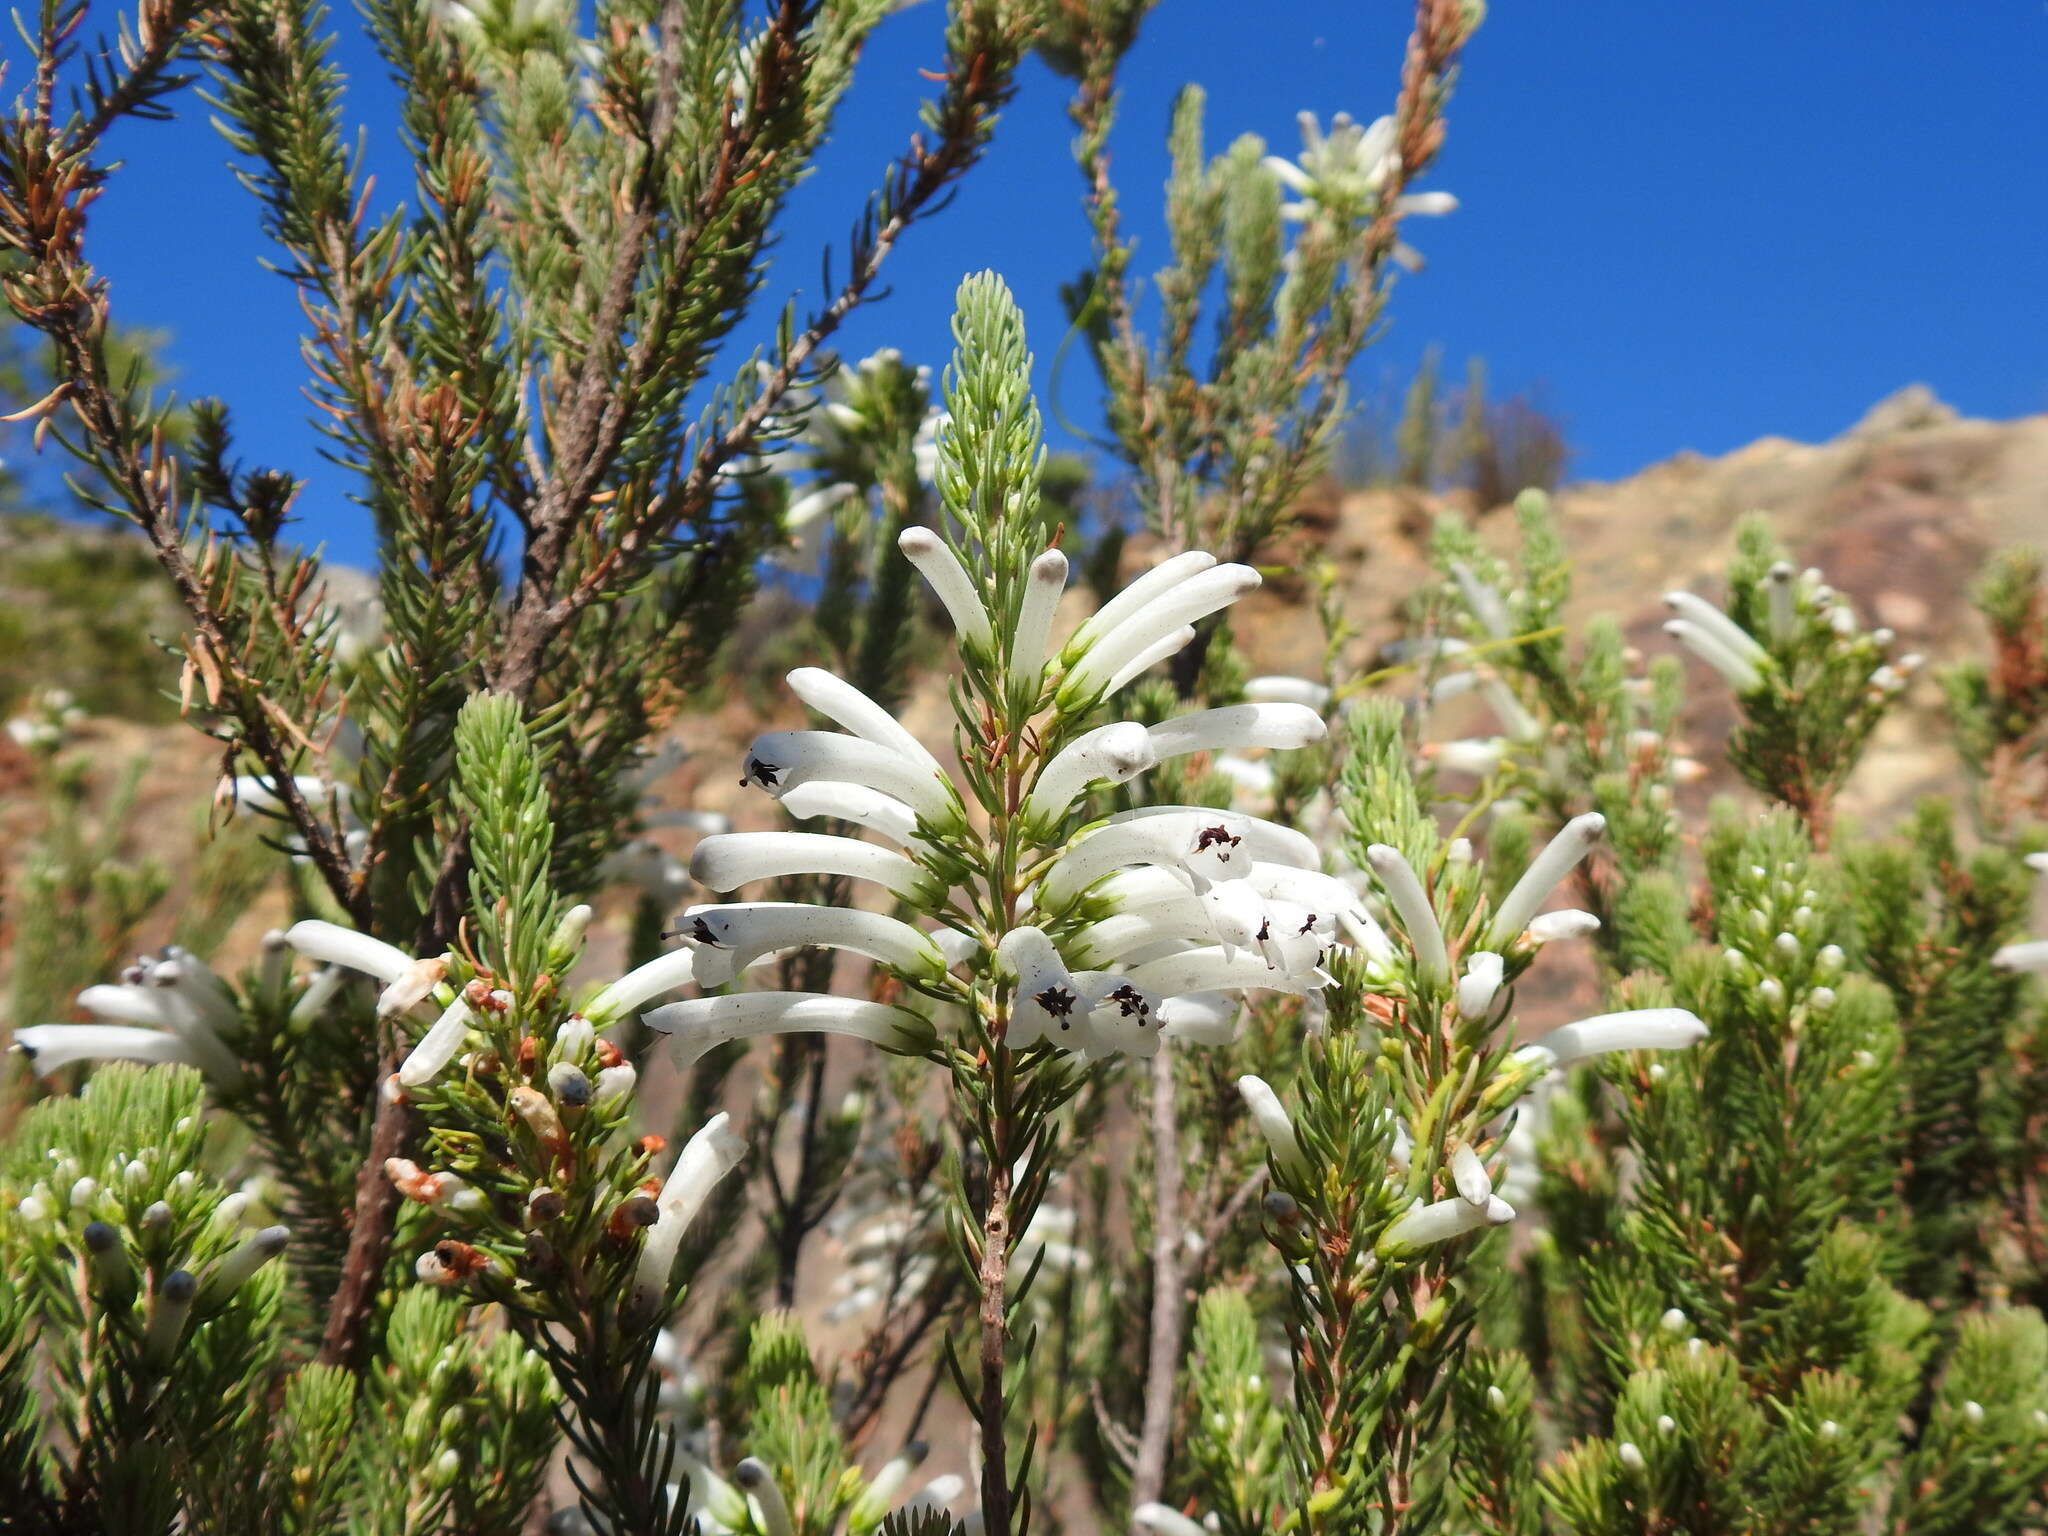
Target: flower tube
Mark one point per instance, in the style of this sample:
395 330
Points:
733 859
1271 1118
1176 607
332 944
700 1023
781 760
1153 584
1288 690
846 706
1150 657
1110 754
1641 1029
1737 672
729 938
1712 621
437 1047
664 973
2031 956
1214 970
53 1047
1560 856
1426 1225
1271 727
942 569
857 803
706 1158
1404 891
1047 580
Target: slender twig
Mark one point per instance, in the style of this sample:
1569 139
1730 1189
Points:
1169 1301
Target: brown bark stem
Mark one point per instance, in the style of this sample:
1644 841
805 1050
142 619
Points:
1169 1302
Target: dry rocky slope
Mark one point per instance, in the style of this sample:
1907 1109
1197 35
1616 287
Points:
1900 511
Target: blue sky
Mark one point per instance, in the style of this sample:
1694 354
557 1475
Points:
1688 225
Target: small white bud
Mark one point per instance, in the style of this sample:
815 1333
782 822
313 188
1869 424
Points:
1974 1412
1821 999
1829 1429
1631 1457
1496 1399
1674 1321
1666 1425
1771 991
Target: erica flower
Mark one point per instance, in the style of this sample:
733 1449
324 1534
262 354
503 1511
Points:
1131 928
1346 172
167 1008
706 1158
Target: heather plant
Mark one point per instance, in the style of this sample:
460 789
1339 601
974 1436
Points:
1079 1083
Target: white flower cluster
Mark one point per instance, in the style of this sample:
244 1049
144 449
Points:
1347 171
166 1008
1744 663
1515 925
1137 926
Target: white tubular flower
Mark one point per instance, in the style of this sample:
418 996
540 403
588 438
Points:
1778 599
1153 584
1216 969
1486 604
1426 1225
706 1158
864 807
1514 718
779 761
332 944
1161 1521
408 981
1248 779
729 938
753 1475
1050 1004
232 1272
1151 886
1480 985
259 792
51 1048
1288 690
701 1023
1240 727
664 973
734 859
1201 1018
1641 1029
1110 754
437 1047
2031 956
1206 845
169 999
839 701
1150 657
1418 918
1695 609
2038 863
817 503
949 579
1565 923
1477 756
1560 856
1272 1120
1034 618
1735 671
1468 1173
1173 609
